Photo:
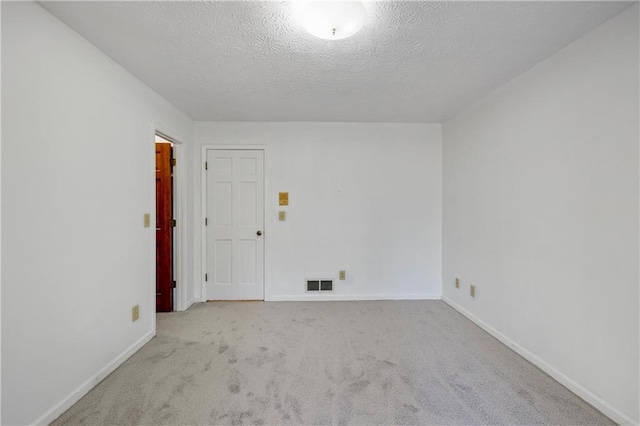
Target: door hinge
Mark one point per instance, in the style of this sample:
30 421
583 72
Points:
206 165
173 162
206 221
206 277
174 284
173 223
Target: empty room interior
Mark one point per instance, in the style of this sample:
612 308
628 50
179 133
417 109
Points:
394 212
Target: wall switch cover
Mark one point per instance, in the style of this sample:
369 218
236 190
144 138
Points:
343 275
282 216
135 313
457 282
472 290
147 220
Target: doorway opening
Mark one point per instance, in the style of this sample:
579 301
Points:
165 224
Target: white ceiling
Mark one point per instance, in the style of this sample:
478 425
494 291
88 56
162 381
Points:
251 61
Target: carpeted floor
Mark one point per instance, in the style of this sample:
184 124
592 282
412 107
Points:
382 362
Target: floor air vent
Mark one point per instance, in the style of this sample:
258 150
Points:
319 285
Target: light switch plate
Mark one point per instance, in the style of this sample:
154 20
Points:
135 313
472 290
282 216
457 282
343 275
147 220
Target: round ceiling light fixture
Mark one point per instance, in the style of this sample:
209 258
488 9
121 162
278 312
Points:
333 20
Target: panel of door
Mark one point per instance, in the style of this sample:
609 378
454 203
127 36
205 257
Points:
234 224
164 225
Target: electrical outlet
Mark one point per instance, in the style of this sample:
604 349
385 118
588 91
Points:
282 216
457 282
147 220
343 275
472 290
135 313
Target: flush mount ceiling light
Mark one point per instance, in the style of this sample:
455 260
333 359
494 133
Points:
332 20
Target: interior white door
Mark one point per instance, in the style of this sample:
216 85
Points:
235 224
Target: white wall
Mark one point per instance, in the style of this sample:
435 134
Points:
77 176
541 213
365 198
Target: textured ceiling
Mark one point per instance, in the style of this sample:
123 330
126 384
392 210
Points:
251 61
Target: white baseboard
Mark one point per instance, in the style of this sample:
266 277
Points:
57 410
328 297
191 302
574 387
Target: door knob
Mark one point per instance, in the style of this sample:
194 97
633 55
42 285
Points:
259 233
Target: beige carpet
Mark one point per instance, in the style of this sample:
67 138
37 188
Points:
387 362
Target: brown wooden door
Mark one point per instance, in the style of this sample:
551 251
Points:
164 225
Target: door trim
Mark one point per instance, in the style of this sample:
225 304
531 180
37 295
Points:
203 211
179 214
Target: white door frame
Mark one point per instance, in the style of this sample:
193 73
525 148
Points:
180 302
203 211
